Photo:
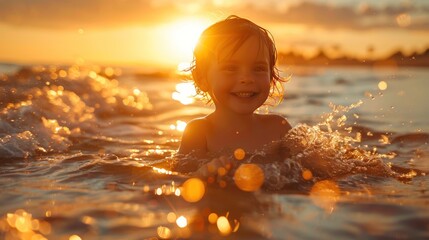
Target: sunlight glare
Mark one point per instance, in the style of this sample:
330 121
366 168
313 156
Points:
183 66
184 34
181 125
185 93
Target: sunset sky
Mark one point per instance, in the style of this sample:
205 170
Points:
164 31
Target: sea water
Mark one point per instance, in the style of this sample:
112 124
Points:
89 153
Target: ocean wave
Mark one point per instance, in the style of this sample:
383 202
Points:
43 107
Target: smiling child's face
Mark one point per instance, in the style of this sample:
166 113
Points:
240 83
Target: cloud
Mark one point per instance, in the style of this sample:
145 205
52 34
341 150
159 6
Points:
66 14
363 17
72 14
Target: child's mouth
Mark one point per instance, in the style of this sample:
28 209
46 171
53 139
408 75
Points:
244 94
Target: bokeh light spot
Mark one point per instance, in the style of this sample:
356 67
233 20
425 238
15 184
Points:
193 190
171 217
74 237
382 85
212 218
221 171
249 177
182 222
307 174
239 154
325 194
223 226
403 20
164 232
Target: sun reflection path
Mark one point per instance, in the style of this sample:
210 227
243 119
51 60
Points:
185 93
180 126
22 225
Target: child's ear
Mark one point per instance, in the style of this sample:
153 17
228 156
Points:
200 79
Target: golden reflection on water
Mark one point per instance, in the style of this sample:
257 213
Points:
88 220
179 126
22 225
185 93
168 190
163 171
384 139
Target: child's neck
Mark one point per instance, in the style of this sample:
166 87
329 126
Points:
232 122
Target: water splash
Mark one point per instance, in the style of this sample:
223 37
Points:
46 106
306 153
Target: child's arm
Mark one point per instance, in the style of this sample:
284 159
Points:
194 137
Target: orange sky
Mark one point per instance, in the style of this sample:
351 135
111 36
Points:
164 31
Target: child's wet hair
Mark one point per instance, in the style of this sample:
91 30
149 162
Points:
233 31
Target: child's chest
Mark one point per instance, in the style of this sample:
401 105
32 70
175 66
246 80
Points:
219 140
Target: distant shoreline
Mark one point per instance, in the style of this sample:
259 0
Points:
397 59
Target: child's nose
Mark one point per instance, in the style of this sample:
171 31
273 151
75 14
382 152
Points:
246 78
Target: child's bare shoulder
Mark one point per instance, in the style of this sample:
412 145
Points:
277 122
198 124
194 136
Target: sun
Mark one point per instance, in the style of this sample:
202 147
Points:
182 35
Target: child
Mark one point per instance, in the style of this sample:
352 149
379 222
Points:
234 66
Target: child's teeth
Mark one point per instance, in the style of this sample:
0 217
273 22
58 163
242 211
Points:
244 94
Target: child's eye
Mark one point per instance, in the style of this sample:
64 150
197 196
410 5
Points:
229 68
